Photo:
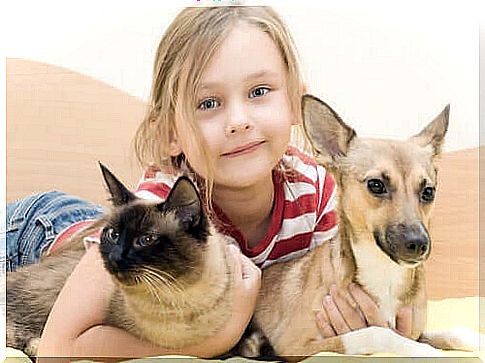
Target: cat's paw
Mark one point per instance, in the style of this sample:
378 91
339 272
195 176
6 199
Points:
32 346
251 346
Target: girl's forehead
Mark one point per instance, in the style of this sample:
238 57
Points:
245 53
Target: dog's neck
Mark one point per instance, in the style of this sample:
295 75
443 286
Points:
355 257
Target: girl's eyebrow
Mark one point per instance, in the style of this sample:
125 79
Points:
256 75
261 74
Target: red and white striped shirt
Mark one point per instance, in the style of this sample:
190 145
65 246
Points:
303 214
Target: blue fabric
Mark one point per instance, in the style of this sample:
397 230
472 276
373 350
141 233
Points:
32 223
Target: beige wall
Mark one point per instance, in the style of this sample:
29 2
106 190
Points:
59 124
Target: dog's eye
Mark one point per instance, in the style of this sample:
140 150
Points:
144 241
376 186
427 194
111 235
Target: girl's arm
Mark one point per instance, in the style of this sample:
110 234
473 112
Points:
74 327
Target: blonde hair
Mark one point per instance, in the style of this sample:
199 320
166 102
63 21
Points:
182 55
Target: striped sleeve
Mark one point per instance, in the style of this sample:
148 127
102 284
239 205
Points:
309 217
326 218
154 185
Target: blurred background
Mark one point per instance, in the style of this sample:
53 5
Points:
78 74
386 67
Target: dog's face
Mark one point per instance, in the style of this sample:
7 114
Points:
387 191
386 188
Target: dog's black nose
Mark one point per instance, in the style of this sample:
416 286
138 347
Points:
407 242
416 241
417 246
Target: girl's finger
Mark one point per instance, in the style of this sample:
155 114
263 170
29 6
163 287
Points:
352 316
324 326
236 263
335 317
368 307
404 321
251 273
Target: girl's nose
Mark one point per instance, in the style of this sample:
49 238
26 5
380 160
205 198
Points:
236 128
237 118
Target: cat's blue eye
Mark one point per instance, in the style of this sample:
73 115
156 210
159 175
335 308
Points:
258 92
208 104
112 235
144 241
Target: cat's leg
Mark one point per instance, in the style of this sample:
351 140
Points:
455 339
31 347
253 344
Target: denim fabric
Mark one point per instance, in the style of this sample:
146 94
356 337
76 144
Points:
31 225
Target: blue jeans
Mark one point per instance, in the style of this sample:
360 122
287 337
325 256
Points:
32 224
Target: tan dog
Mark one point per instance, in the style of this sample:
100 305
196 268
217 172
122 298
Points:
385 195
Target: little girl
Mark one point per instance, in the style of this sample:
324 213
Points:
225 102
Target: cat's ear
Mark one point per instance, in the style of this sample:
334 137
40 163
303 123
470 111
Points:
119 193
184 199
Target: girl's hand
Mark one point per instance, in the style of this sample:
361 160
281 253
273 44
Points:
342 318
75 325
247 282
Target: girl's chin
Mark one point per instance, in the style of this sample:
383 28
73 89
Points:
245 176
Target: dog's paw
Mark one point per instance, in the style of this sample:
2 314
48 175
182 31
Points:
455 339
375 339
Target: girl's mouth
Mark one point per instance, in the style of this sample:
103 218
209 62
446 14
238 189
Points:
244 149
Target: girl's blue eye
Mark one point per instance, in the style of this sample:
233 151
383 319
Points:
208 104
258 92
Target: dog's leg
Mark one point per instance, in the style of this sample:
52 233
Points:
456 339
364 341
376 339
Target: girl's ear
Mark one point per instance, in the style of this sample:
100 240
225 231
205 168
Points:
304 88
174 148
297 121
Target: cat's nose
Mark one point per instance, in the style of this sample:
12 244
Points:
115 257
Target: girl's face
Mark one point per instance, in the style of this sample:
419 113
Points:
243 112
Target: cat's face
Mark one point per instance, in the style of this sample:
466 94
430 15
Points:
162 242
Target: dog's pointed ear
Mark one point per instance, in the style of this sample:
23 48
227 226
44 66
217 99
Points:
435 132
184 199
329 135
119 193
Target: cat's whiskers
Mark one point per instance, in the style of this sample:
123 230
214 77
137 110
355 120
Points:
153 291
146 280
152 279
179 301
153 287
156 282
165 277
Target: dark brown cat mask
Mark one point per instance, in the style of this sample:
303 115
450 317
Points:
142 236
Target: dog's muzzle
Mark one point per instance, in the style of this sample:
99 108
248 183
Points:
405 243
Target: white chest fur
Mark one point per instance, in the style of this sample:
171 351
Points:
381 276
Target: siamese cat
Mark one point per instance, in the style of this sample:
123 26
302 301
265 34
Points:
171 271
